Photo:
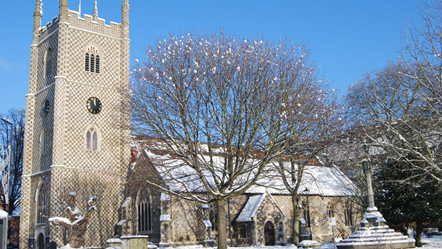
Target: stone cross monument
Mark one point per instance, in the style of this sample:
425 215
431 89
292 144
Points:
374 232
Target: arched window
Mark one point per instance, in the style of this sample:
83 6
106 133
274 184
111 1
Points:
43 141
48 63
349 216
42 204
144 210
213 218
330 211
92 60
92 139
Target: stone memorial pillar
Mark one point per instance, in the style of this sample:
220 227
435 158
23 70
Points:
374 232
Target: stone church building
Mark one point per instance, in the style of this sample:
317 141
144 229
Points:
78 140
261 216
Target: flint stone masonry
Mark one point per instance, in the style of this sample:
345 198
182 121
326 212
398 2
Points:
66 163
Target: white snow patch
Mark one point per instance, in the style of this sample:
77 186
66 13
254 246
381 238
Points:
164 197
165 217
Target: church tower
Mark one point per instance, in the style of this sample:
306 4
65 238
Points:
76 129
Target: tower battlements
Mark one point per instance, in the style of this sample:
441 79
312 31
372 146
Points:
96 25
48 28
86 23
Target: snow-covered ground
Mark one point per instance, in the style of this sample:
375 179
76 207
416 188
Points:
433 242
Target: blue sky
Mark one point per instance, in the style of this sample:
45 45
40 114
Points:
347 37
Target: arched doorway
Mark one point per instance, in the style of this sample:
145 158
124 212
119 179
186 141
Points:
41 241
269 234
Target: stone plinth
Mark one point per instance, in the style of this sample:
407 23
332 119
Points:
375 233
134 242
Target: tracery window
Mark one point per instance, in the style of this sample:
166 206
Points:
349 216
42 204
92 139
330 211
92 60
144 209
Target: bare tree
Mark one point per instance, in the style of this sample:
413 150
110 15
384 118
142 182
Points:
17 117
397 118
315 118
222 108
422 53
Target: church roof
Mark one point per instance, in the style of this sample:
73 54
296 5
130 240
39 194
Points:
317 179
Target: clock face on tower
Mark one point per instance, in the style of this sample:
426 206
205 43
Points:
93 105
45 109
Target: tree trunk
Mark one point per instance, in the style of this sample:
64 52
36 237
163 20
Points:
222 221
418 236
296 215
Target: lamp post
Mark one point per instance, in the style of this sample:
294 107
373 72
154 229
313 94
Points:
306 192
6 191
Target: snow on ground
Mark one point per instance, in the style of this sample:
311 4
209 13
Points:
433 242
429 243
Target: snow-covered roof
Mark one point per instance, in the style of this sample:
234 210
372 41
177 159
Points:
316 180
179 176
250 208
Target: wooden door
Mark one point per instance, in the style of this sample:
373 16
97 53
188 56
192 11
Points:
269 234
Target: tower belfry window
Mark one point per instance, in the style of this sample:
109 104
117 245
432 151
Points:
92 60
48 63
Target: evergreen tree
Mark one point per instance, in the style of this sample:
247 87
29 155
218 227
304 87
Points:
405 194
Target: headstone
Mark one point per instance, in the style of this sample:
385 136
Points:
3 229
